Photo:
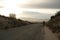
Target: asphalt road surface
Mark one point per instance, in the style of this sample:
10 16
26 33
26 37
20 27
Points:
29 32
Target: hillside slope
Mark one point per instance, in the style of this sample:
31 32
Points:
9 22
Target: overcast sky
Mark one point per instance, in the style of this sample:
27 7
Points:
46 8
53 4
33 8
38 15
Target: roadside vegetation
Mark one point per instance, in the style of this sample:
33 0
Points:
11 22
54 23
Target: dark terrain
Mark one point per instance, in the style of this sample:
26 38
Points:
28 32
17 29
10 22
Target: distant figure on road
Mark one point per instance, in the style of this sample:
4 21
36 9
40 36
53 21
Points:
43 23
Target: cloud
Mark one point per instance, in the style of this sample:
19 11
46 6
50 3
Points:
38 15
54 4
47 5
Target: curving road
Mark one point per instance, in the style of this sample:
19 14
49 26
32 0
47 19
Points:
29 32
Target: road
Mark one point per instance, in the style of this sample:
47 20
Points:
29 32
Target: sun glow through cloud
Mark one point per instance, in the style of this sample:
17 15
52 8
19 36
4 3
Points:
10 6
16 6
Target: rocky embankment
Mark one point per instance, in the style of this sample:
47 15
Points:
9 22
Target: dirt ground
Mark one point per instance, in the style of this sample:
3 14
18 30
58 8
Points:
49 35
